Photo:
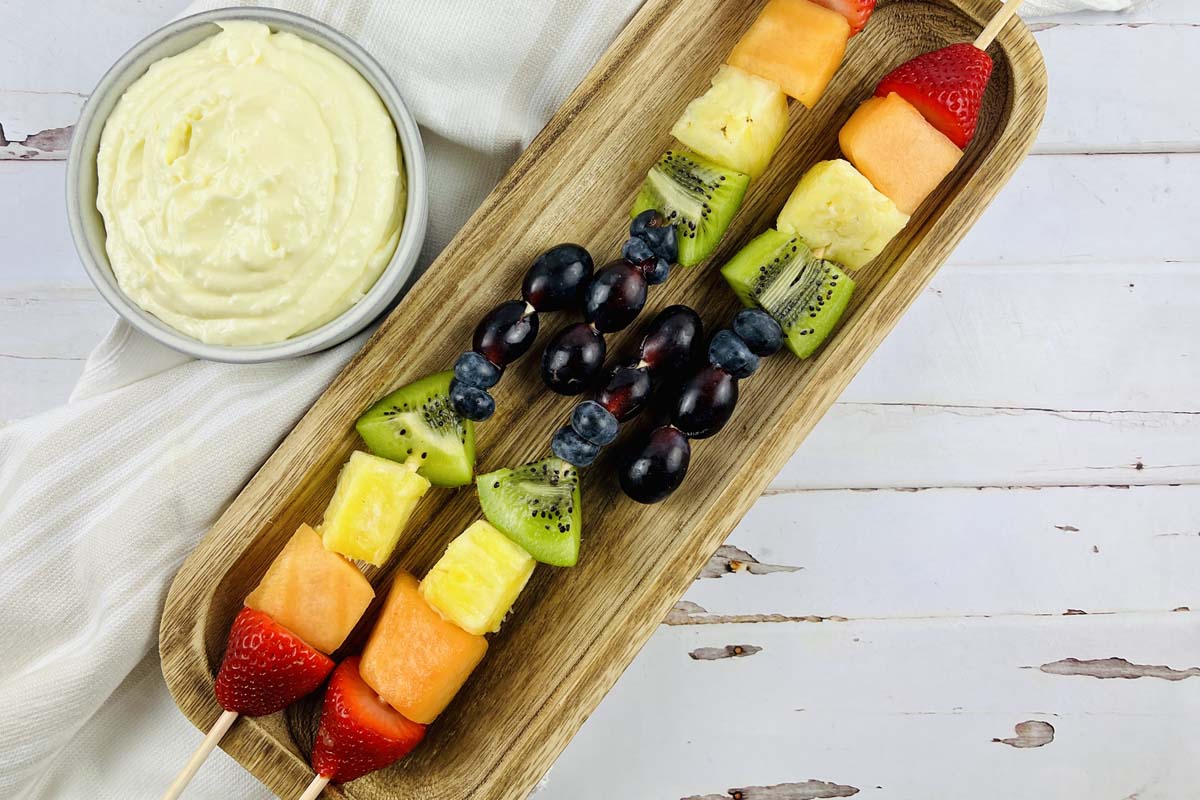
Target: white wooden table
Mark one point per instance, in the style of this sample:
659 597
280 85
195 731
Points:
997 528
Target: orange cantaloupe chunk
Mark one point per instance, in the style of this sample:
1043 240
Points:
904 156
795 43
414 658
316 594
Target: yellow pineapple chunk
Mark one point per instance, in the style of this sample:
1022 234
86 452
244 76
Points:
370 507
477 580
835 207
738 123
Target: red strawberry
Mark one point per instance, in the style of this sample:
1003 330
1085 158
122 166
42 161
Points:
266 667
359 732
946 86
856 12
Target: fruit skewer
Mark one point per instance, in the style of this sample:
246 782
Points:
611 300
303 608
311 596
729 136
903 142
428 639
418 426
552 283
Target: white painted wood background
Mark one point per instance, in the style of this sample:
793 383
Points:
977 578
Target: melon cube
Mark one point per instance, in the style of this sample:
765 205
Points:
898 150
478 578
415 659
836 209
797 44
370 507
316 594
738 123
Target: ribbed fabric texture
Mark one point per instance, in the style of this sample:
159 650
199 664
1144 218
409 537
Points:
102 499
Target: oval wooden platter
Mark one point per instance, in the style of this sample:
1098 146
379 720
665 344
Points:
575 630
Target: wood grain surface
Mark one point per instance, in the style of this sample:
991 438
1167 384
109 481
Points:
574 631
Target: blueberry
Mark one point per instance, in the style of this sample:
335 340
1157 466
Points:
573 448
473 369
656 232
730 353
657 272
636 251
594 422
759 331
471 401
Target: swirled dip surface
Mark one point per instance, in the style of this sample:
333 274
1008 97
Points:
252 187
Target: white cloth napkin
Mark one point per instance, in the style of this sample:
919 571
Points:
102 499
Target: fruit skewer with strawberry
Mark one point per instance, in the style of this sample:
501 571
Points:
311 596
279 644
428 639
903 142
729 136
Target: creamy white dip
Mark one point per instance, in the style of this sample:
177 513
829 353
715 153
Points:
252 187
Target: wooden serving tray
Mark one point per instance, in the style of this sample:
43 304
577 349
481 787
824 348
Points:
575 630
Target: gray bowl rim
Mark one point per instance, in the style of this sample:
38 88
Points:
373 304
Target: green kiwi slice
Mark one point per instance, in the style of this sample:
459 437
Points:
806 295
537 506
700 197
418 421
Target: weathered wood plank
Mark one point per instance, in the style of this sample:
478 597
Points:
45 334
1133 111
52 56
1114 209
911 446
976 337
906 709
1089 210
1102 104
1124 339
956 552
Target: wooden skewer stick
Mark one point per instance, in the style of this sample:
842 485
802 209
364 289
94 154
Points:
219 728
315 788
1006 12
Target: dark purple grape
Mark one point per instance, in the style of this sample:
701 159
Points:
557 277
652 228
626 392
759 331
673 341
614 297
573 448
471 401
594 422
475 370
655 470
730 353
573 359
705 402
506 333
